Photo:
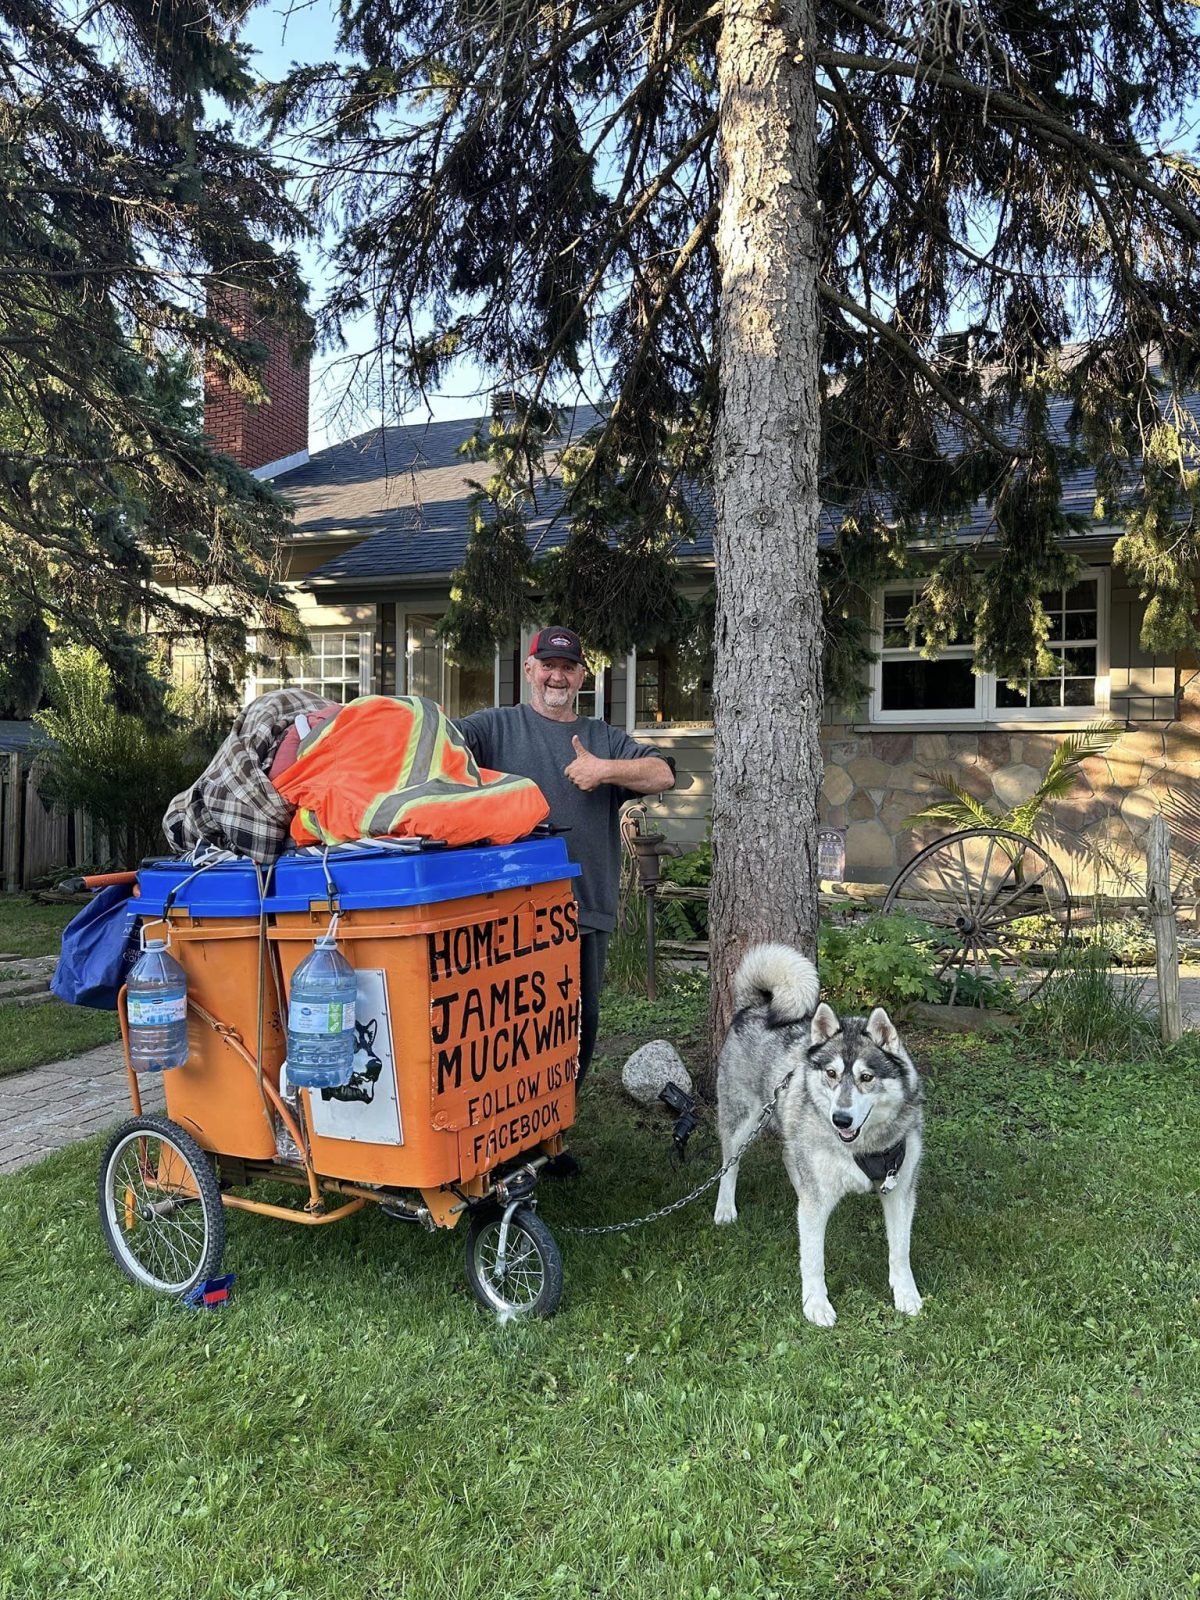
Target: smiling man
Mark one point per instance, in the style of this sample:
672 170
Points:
586 769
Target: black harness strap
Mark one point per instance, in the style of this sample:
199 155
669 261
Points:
879 1165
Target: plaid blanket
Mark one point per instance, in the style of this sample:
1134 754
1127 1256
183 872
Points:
233 804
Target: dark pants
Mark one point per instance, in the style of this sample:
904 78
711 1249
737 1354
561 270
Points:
593 949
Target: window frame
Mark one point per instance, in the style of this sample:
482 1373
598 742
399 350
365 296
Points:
403 614
986 710
258 682
668 730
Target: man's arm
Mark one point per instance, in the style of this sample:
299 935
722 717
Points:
643 774
476 730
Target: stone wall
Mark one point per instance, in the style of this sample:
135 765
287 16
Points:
874 780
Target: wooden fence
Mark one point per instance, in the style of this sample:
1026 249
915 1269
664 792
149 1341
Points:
34 840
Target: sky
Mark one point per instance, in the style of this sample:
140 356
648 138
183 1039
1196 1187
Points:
287 33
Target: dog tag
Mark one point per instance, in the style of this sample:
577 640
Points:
889 1183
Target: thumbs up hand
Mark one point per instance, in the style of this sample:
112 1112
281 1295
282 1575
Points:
586 771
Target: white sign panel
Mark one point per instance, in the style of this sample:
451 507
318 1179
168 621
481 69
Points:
367 1109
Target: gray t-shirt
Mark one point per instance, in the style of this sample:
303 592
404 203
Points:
518 739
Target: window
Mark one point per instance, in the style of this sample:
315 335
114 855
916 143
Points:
430 671
910 685
337 667
673 686
908 688
1074 642
590 700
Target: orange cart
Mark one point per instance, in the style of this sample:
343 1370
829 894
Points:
466 1032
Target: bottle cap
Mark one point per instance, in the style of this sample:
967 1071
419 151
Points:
156 944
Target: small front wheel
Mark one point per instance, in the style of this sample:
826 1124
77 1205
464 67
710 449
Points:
160 1206
527 1280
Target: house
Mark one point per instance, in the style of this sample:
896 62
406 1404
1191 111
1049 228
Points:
381 522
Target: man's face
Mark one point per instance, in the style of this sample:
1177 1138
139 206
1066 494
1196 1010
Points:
553 684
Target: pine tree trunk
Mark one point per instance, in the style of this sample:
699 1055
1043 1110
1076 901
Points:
767 684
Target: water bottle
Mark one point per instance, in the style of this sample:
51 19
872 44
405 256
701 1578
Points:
286 1149
320 1031
156 1007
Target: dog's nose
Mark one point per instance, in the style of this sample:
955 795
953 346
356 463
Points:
842 1119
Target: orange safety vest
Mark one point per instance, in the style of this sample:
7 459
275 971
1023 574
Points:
396 765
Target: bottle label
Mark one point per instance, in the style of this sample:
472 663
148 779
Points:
321 1016
151 1012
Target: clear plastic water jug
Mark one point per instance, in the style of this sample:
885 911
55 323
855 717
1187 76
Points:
320 1031
156 1006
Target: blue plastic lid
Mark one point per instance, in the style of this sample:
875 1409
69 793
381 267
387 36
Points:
229 889
365 878
369 879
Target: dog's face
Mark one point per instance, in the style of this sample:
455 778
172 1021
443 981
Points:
857 1067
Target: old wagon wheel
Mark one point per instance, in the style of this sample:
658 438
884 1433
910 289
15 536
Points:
998 906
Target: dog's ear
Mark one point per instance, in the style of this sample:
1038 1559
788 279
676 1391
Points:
824 1024
881 1030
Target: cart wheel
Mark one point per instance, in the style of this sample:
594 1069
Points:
160 1206
531 1282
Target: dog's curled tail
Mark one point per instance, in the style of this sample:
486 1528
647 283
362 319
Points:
775 975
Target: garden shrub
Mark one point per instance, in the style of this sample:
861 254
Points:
687 920
108 763
878 960
1086 1010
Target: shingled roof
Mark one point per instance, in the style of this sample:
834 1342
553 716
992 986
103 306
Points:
399 496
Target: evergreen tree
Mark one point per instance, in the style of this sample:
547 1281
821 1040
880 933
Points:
888 255
127 202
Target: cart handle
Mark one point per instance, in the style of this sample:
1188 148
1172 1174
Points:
95 880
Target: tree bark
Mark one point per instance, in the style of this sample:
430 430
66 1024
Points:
767 682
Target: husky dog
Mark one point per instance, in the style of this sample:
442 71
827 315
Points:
850 1118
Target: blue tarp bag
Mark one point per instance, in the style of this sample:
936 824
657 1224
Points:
98 948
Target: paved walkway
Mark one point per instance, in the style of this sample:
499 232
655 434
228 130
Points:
49 1107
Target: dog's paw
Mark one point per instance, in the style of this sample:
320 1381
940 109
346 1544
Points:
817 1309
908 1299
726 1212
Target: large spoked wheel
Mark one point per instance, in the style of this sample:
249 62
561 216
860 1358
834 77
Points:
999 908
520 1275
160 1206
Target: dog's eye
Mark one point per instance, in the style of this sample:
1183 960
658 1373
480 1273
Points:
832 1074
866 1077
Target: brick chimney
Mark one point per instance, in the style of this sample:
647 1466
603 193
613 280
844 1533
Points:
266 439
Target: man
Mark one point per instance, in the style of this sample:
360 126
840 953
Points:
586 769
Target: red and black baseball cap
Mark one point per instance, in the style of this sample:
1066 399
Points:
552 644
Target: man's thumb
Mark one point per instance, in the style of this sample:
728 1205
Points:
580 749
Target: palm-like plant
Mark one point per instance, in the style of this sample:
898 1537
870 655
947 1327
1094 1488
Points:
963 810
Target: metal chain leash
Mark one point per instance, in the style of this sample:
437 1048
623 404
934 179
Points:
678 1205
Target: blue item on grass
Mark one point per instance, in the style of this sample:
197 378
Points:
99 946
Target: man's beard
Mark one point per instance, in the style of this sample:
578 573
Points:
557 697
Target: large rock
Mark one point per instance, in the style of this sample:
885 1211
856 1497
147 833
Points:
650 1069
837 786
1014 785
870 848
868 771
928 747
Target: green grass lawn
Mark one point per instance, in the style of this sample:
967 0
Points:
30 928
32 1035
354 1426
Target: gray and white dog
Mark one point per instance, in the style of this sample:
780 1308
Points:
850 1118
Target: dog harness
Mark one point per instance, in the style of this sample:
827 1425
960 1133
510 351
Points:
882 1166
